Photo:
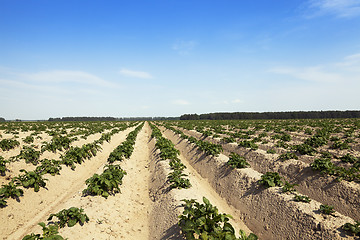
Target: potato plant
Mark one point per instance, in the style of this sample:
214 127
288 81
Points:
203 221
106 183
31 179
3 163
288 187
237 161
354 229
301 198
7 144
28 139
29 154
49 233
52 167
287 156
69 217
9 190
168 151
271 179
327 209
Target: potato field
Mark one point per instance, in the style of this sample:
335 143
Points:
228 179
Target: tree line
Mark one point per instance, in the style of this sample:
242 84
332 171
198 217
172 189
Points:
84 119
272 115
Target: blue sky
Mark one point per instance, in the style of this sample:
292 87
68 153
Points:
170 57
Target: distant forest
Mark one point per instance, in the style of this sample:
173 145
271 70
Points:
82 119
272 115
2 119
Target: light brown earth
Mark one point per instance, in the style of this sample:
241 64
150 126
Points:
147 209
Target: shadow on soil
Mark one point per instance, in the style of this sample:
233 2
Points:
173 233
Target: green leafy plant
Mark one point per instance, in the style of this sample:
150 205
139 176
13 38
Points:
70 217
229 139
237 161
49 233
177 181
305 149
282 144
354 229
28 139
287 156
29 154
107 183
348 158
49 166
301 198
7 144
271 151
9 190
3 163
31 179
288 187
203 221
271 179
327 209
340 145
248 144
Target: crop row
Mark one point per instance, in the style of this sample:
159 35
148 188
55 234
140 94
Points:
108 182
197 221
273 179
168 151
34 179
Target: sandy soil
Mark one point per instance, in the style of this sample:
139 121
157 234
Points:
21 217
146 208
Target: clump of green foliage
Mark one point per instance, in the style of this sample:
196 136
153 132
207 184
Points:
354 229
271 151
31 179
271 179
69 217
7 144
248 144
203 221
9 190
237 161
106 183
301 198
327 209
3 163
287 156
49 233
288 187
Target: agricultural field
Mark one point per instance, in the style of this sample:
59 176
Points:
248 179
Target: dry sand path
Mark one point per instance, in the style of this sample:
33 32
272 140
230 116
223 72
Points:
124 215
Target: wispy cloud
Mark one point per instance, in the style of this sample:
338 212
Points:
181 102
135 74
339 8
351 63
184 47
313 74
346 70
62 76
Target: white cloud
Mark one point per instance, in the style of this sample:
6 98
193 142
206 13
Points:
351 63
312 74
135 74
339 8
184 47
61 76
234 101
181 102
